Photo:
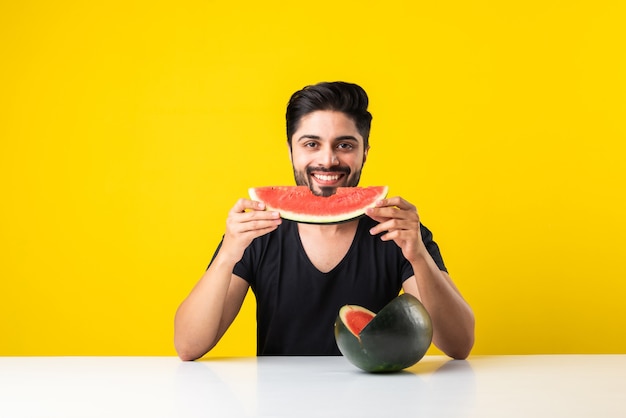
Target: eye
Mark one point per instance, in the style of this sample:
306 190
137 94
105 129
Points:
346 146
310 144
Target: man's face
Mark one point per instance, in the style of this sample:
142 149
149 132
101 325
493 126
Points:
327 152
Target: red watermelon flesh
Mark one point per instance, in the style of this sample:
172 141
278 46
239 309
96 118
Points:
356 318
299 204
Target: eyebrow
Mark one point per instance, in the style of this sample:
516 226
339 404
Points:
305 136
339 138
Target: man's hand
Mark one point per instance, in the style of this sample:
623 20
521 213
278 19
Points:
246 221
399 219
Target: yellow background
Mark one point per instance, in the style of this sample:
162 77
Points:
129 128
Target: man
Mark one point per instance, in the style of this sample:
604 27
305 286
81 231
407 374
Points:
302 274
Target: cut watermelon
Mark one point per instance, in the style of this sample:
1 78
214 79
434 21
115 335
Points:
298 203
394 339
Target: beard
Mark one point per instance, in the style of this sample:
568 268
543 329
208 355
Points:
303 178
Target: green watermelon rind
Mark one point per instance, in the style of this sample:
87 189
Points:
311 218
396 338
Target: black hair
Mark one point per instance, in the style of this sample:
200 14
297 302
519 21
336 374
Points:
338 96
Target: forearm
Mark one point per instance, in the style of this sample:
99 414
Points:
452 317
212 305
198 318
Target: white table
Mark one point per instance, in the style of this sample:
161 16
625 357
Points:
500 386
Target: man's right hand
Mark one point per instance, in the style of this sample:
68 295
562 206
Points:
246 221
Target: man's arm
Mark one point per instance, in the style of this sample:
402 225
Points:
207 312
452 317
205 315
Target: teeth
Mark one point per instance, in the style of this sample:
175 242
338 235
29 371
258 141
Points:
327 177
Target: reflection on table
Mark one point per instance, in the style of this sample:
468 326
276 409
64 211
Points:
502 386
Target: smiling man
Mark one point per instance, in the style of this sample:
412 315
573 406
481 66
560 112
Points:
301 274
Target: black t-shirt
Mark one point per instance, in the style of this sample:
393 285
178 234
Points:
297 305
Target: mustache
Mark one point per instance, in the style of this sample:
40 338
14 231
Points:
345 170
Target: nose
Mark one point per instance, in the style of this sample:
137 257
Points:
330 158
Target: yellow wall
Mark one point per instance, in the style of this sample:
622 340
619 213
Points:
128 129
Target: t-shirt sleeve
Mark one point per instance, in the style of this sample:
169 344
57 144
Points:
432 248
241 269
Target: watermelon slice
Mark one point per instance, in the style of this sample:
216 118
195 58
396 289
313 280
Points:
298 203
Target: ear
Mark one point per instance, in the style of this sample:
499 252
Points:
365 154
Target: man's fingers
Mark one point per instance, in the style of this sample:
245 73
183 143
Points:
386 225
246 204
259 224
386 212
248 221
396 201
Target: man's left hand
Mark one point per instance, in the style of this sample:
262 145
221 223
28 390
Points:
398 221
